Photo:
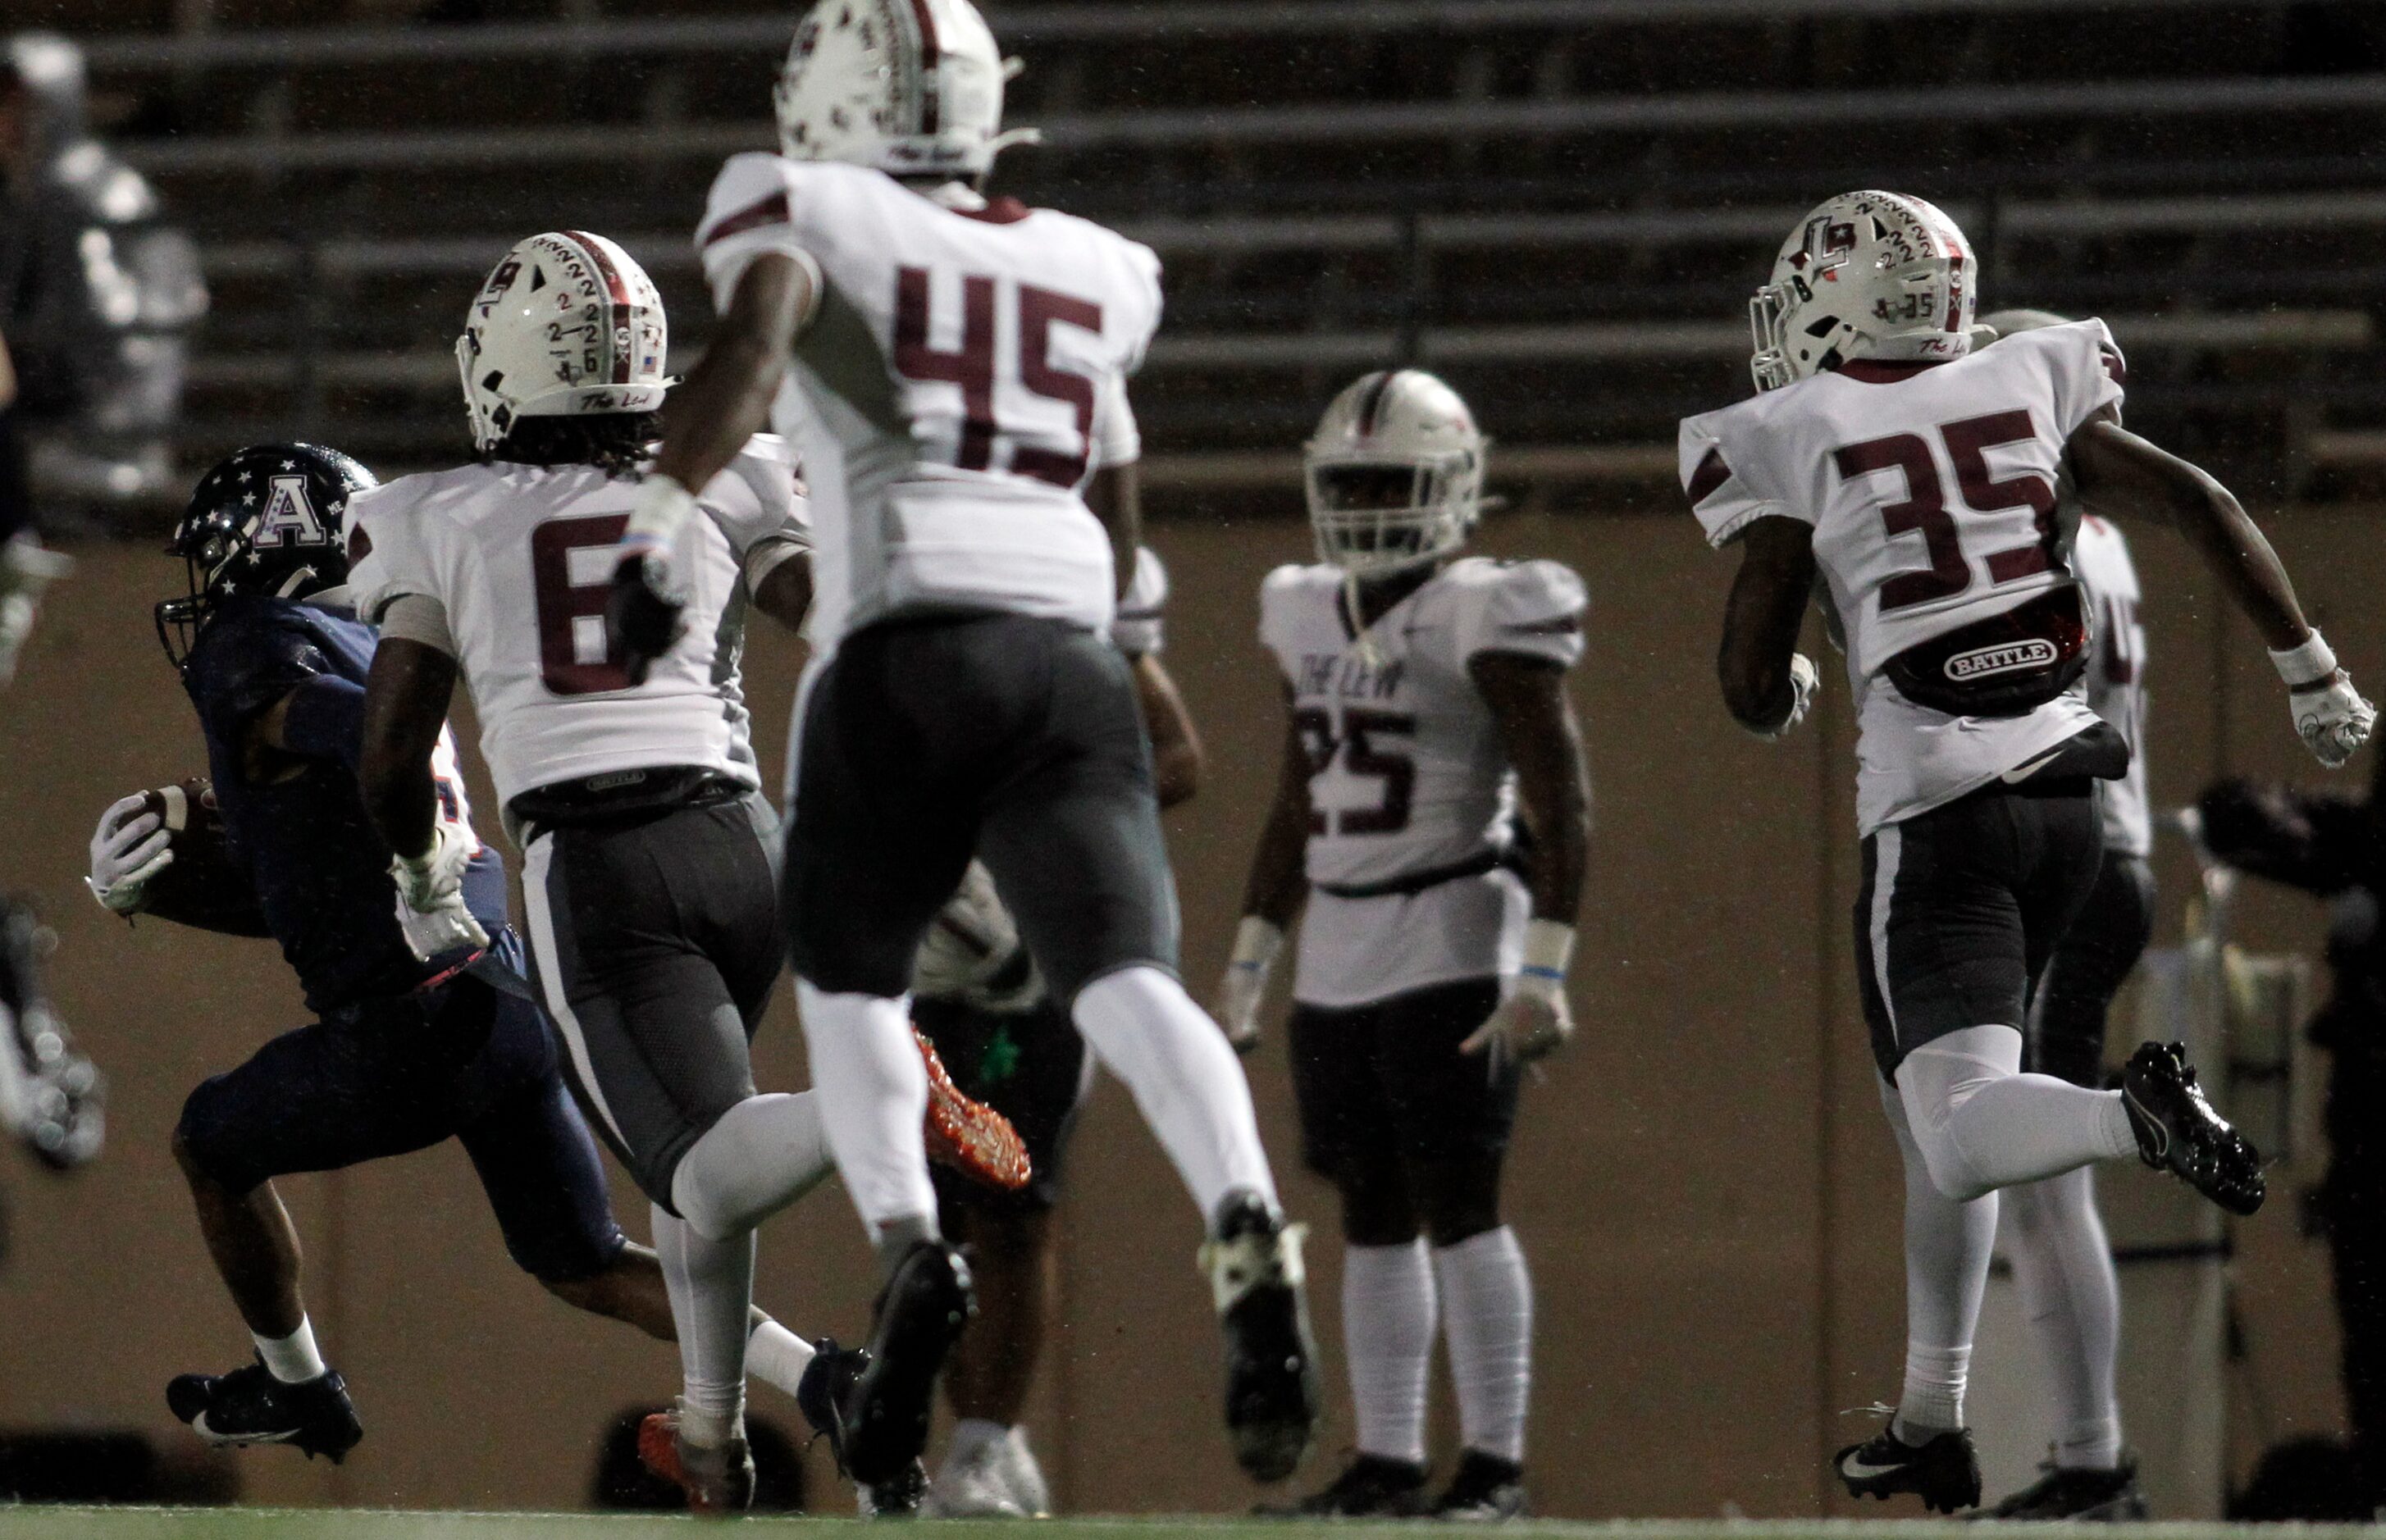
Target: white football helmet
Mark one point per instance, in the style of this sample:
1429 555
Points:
1866 275
1394 474
909 87
567 323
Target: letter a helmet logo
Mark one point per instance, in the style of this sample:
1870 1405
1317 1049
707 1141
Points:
290 517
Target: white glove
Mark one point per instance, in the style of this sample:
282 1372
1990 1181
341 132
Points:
25 570
1803 683
1534 1020
131 845
2330 716
974 941
1257 942
431 895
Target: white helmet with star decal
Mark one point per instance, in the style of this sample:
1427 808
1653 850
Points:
567 324
1866 275
908 87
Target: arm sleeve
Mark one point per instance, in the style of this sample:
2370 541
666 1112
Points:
1139 628
1534 609
750 211
757 498
1116 439
1721 495
421 619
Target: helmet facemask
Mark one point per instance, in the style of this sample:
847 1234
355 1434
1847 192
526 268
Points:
1374 516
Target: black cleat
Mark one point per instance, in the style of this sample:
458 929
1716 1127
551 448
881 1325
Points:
1944 1472
1273 1391
2096 1496
1370 1487
249 1406
1485 1489
898 1498
2178 1132
877 1420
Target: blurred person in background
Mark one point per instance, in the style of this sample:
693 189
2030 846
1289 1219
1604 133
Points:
98 294
2335 846
2071 1295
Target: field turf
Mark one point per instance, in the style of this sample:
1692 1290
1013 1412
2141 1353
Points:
239 1523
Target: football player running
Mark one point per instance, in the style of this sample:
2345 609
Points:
426 1032
954 372
2061 1260
632 790
1915 476
1432 812
976 994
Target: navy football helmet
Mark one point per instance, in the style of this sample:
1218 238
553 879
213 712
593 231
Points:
272 520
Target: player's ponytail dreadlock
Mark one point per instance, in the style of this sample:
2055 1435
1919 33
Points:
615 443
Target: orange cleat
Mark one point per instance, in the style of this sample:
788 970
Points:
718 1482
968 1135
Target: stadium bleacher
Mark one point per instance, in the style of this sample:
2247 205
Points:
1562 204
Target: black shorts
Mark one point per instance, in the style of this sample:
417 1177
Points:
1384 1084
1961 906
1018 740
1030 1066
2090 964
656 939
387 1077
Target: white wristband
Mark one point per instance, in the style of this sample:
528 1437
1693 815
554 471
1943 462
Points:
1257 942
1549 947
2311 663
663 507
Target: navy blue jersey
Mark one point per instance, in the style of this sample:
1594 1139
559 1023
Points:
320 871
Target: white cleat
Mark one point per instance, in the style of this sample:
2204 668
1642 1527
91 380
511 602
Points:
974 1481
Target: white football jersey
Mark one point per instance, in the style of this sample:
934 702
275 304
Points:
1407 776
521 557
2117 676
1931 492
965 373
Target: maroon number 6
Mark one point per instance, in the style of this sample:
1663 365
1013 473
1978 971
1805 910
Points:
575 657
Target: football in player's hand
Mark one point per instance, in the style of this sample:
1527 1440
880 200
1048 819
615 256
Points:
202 883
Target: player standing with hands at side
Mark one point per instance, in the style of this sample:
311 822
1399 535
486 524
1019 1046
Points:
1433 812
953 372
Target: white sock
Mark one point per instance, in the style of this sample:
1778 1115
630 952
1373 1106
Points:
872 1093
1149 1032
1981 1124
1947 1248
763 1154
2073 1300
711 1285
1388 1327
1487 1318
776 1356
292 1359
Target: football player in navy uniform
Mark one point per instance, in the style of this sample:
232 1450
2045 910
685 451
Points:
425 1029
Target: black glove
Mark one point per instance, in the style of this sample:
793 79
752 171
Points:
644 616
